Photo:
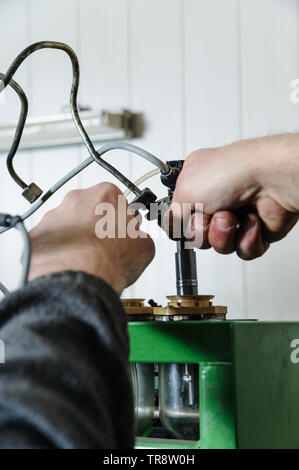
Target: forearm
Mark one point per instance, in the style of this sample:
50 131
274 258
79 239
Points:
66 366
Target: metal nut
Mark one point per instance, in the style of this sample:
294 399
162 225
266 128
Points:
32 193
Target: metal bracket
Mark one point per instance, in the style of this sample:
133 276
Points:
59 130
131 123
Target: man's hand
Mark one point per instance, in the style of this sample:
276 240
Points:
66 239
249 191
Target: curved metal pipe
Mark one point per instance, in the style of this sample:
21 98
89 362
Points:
6 78
19 131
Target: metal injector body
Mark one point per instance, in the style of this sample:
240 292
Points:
185 258
186 271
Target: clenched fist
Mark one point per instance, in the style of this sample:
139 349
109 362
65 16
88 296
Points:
249 190
74 237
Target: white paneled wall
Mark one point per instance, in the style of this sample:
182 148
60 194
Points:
212 118
204 73
269 59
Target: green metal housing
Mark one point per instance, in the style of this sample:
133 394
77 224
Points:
249 378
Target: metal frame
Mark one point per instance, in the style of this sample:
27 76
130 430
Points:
249 386
205 343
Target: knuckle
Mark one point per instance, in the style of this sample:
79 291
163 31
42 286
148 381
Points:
198 156
107 192
107 188
194 156
72 196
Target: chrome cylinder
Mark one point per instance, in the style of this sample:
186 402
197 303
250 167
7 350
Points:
179 400
144 395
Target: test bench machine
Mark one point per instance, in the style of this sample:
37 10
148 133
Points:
200 381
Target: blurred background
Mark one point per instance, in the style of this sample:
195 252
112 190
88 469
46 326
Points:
203 72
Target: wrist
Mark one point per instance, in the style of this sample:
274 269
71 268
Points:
274 158
247 161
90 263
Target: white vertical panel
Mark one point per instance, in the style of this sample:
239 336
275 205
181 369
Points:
156 91
13 38
51 78
212 119
103 35
269 61
105 85
211 70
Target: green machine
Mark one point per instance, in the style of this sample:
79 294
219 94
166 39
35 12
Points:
246 375
201 381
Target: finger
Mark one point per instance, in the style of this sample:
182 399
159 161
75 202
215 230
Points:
249 240
222 232
197 230
277 222
105 193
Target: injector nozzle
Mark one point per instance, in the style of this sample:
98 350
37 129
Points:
169 179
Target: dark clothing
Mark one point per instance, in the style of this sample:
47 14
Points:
65 382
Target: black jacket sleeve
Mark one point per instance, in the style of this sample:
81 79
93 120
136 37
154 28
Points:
65 381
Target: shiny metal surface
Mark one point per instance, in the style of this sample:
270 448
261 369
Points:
144 397
186 270
179 400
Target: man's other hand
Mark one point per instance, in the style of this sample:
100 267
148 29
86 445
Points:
75 236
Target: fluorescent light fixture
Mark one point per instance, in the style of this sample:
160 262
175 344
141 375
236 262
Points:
59 130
